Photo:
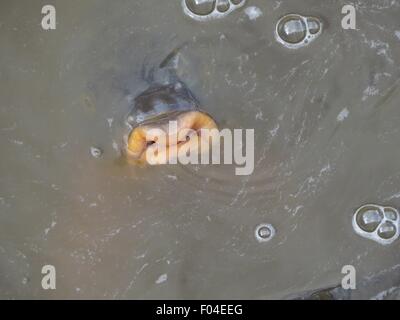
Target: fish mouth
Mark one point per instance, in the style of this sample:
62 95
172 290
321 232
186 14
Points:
161 140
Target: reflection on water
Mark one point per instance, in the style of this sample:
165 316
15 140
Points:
326 135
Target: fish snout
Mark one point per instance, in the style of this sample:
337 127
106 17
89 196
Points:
158 142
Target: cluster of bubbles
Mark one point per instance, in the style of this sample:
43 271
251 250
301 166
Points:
378 223
375 222
203 10
264 232
292 30
295 31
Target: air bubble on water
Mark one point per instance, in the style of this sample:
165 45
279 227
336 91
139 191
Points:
313 25
387 230
236 2
204 10
223 5
369 218
264 232
378 223
295 31
96 152
292 29
391 213
201 7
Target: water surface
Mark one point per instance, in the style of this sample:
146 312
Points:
326 133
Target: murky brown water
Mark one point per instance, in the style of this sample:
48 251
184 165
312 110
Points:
326 120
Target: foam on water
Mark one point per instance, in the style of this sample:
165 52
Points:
253 12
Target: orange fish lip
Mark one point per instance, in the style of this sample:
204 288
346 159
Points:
144 137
